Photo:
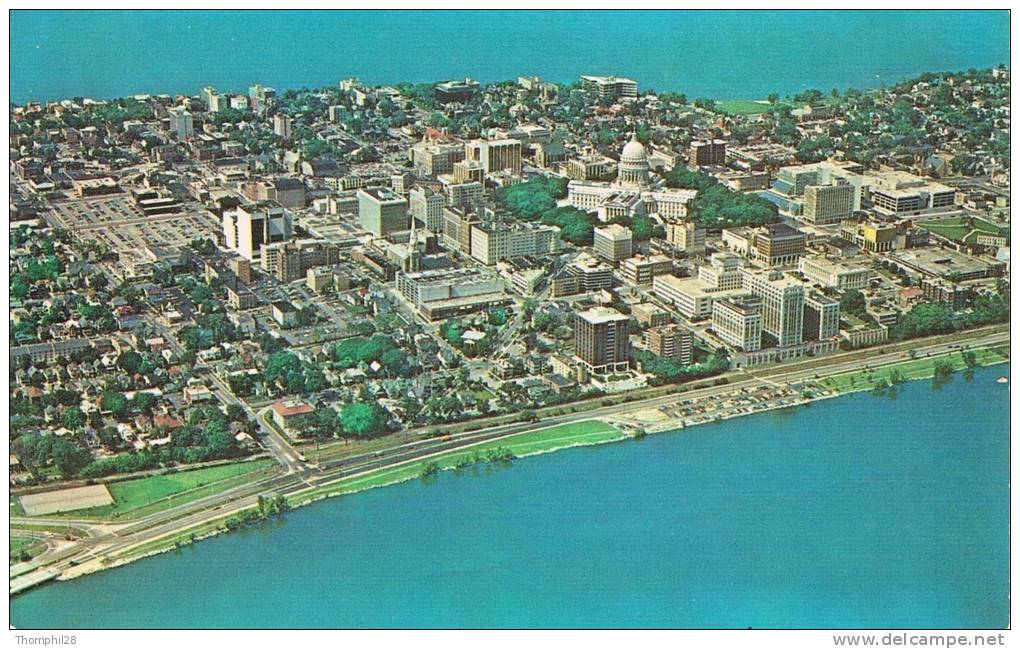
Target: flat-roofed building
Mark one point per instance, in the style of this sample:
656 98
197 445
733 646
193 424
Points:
494 242
640 270
722 271
458 90
440 294
869 235
737 321
426 206
834 274
649 315
435 159
826 204
686 237
609 87
689 296
464 194
382 211
468 171
782 304
591 274
899 193
284 313
778 244
601 337
613 242
247 228
672 342
495 155
589 167
707 153
821 316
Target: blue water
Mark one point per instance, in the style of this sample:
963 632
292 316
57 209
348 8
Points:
722 54
861 511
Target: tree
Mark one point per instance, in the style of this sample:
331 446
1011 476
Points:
74 418
129 361
69 457
854 303
115 403
363 419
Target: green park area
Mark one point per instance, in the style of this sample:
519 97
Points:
964 230
142 496
742 106
581 433
913 369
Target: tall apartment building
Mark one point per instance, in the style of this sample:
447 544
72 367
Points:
282 125
707 153
182 123
613 242
381 211
737 321
261 97
464 194
601 340
495 155
457 228
426 205
247 228
825 204
686 237
494 242
671 342
609 87
782 304
821 316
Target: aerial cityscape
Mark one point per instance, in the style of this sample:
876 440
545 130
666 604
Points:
228 303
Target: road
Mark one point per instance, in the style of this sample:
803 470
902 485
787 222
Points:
298 476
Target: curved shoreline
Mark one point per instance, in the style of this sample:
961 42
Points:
606 430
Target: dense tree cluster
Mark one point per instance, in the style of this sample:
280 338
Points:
293 375
717 207
669 371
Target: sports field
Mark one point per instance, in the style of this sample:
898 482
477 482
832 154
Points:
65 500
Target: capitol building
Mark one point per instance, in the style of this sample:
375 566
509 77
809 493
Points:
634 170
633 193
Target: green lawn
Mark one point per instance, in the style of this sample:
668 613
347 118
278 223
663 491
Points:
537 441
142 496
742 106
957 229
921 368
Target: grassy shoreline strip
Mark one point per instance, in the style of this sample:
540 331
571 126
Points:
582 433
911 369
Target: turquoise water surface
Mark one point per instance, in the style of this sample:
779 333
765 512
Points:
722 54
861 511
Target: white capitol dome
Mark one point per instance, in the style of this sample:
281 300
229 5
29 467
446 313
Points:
634 170
634 151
